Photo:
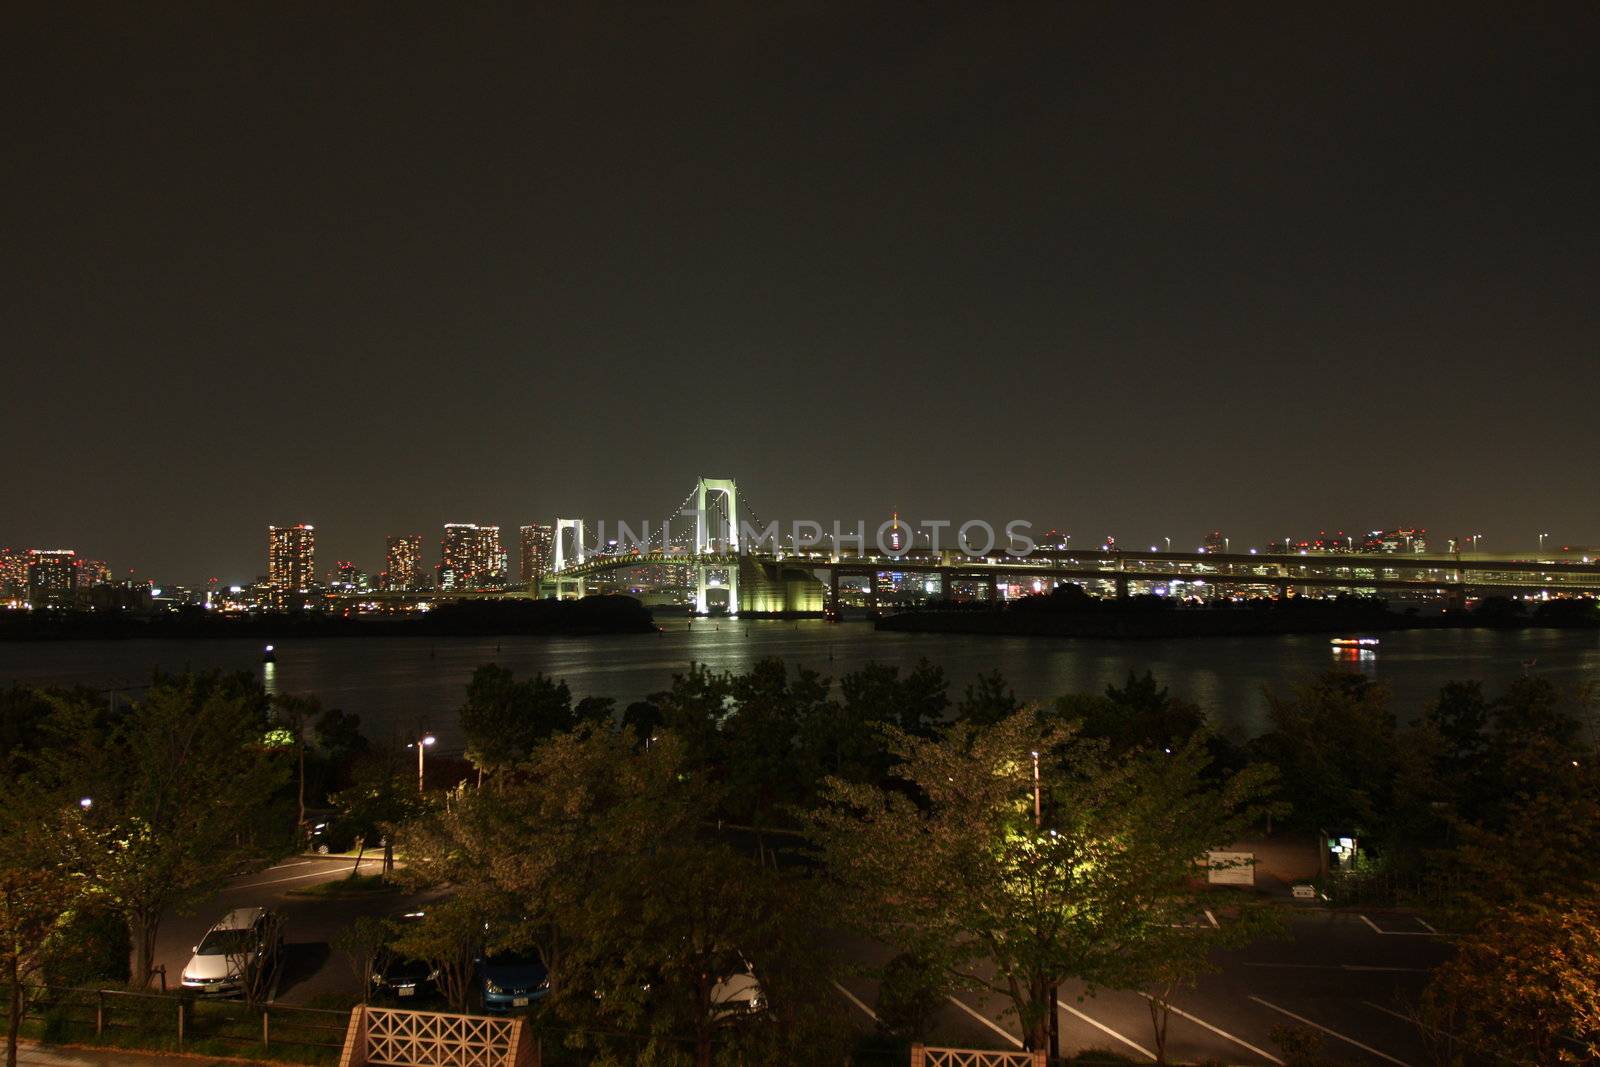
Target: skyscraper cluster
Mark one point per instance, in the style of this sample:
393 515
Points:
471 558
48 577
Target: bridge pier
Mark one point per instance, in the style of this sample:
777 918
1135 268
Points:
1122 586
702 585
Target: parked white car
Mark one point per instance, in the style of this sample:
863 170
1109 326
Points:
738 992
243 941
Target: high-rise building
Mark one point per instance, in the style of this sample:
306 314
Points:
13 575
535 541
346 577
471 558
52 576
93 572
402 563
1215 543
291 561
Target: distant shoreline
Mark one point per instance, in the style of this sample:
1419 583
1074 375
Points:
1109 621
588 617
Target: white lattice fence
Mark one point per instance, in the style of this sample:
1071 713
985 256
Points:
392 1037
923 1056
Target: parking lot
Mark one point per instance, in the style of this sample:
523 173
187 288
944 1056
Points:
1351 976
310 967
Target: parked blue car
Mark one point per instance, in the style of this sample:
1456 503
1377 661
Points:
510 981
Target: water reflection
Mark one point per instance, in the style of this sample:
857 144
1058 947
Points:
394 683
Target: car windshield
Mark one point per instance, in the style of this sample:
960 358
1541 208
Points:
529 958
224 943
408 967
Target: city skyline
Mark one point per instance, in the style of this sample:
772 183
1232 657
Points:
1264 269
403 562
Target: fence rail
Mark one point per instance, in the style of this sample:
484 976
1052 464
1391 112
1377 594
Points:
186 1023
924 1056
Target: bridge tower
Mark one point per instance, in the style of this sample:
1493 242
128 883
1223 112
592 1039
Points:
704 539
562 526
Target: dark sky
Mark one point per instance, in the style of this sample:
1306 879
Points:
1131 269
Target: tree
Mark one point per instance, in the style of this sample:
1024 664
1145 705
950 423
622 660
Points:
1515 792
988 700
181 787
256 961
1333 740
39 890
958 873
759 739
361 943
1525 989
382 796
504 718
1180 815
449 937
915 704
910 995
596 852
1141 714
294 712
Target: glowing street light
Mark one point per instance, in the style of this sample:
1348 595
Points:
86 803
421 745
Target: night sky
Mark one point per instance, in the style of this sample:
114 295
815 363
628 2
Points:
1133 269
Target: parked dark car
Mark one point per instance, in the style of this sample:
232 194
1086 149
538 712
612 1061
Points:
328 835
404 976
508 981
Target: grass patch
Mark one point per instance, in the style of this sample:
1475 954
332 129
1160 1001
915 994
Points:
360 885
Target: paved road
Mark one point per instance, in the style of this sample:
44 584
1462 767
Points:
311 966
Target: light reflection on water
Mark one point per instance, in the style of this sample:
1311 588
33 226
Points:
397 684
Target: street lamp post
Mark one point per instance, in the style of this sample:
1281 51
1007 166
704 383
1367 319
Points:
1038 809
421 745
1038 825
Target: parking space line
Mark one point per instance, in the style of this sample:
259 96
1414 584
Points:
852 998
1219 1031
1104 1029
1414 1022
1329 1031
1429 932
984 1019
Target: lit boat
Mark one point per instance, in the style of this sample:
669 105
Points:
1353 642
